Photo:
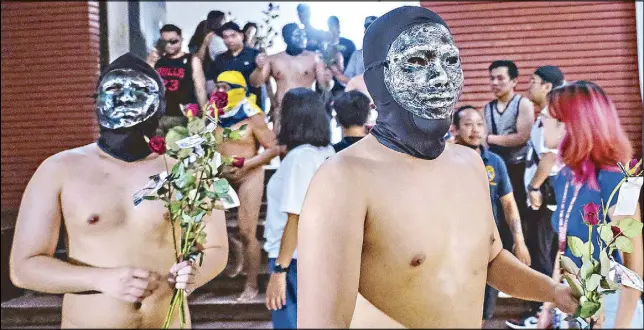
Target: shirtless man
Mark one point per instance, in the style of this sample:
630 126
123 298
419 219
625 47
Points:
121 269
295 67
385 218
248 180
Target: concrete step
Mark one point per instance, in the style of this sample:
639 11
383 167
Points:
34 310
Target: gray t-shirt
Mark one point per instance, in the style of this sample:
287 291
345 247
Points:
504 123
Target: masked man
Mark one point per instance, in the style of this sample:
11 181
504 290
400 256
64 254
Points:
295 67
121 269
248 180
387 215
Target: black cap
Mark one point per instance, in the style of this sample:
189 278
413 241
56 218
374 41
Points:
551 74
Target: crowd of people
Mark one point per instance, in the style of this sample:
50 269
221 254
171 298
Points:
374 214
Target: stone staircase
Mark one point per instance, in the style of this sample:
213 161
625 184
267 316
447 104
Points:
212 306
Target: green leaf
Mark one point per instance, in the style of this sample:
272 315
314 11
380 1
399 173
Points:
608 284
185 219
221 187
604 262
568 265
175 134
574 284
150 198
235 135
593 282
576 245
588 309
588 246
605 233
630 227
178 170
184 153
624 244
586 268
175 207
196 125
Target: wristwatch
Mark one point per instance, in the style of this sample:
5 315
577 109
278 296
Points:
279 269
533 188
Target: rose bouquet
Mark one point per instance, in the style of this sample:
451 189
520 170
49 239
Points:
194 186
597 278
265 33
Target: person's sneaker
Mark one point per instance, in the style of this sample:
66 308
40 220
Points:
529 322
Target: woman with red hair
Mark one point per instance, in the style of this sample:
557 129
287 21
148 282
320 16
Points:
592 145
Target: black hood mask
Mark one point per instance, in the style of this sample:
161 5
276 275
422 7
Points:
295 39
413 72
130 99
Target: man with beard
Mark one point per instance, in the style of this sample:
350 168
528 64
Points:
294 67
385 218
121 268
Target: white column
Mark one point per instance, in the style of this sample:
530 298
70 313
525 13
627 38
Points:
118 29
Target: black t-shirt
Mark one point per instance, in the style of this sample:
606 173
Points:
346 142
244 62
179 86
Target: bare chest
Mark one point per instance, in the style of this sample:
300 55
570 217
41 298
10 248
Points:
99 201
298 69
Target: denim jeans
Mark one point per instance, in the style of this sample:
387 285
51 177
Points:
286 317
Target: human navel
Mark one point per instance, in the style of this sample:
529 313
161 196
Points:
306 72
92 219
417 260
137 305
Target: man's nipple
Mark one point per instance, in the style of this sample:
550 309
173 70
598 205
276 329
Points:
92 219
417 260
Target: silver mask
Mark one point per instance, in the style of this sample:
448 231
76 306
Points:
424 73
125 98
298 38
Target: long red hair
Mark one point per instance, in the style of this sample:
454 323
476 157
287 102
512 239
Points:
594 137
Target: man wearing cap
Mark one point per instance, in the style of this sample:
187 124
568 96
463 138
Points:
238 57
541 167
401 217
248 180
120 270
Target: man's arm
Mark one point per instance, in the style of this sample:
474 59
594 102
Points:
199 80
215 248
331 230
323 75
525 120
628 297
266 139
32 264
203 50
352 67
261 73
511 212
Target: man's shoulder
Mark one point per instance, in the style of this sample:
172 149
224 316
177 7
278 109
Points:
66 158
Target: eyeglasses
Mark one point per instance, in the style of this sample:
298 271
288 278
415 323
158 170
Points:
173 41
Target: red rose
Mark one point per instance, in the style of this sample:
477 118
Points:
221 112
157 145
616 231
219 99
591 213
192 110
238 162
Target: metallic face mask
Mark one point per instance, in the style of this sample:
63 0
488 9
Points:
423 72
298 38
125 98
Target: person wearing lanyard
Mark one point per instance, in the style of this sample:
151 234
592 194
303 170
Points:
238 58
593 142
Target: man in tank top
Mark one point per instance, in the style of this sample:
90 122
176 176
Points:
182 75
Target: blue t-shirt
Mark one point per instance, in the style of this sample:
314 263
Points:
607 181
497 175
